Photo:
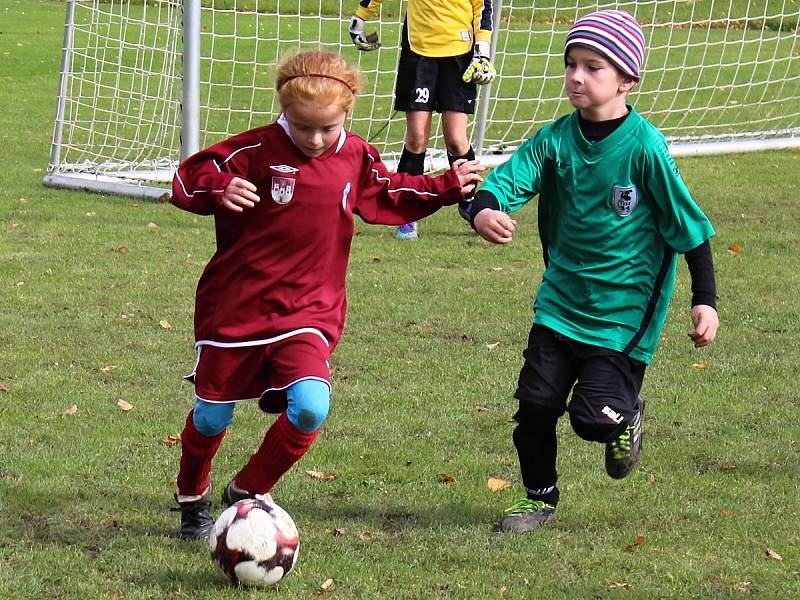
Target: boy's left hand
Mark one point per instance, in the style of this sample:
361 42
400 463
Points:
706 322
467 171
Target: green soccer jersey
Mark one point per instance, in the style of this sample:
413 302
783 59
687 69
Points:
613 217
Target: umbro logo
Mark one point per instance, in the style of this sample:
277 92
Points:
284 169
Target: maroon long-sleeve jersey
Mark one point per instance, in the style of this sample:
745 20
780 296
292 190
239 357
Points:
280 267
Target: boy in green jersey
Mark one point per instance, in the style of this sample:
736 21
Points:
614 214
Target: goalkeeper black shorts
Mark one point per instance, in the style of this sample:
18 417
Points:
433 83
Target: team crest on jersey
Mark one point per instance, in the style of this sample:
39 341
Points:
285 169
625 199
282 189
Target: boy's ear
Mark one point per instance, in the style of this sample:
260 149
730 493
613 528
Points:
627 84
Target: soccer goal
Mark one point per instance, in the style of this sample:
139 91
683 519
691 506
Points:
145 83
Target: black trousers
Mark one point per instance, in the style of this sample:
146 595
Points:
604 386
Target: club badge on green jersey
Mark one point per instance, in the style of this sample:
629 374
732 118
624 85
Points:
625 199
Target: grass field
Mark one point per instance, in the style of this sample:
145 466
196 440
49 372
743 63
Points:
97 298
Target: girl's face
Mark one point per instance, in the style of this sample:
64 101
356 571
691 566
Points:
313 127
595 86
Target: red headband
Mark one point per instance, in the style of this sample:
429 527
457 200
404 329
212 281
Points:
323 75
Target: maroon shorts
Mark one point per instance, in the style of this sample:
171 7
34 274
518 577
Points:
260 372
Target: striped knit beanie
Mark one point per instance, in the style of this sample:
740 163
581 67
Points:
615 34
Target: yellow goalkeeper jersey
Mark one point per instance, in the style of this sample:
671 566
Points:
441 27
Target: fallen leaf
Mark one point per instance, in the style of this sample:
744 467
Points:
4 389
365 536
613 585
328 585
700 366
728 469
152 226
164 324
338 531
503 589
122 249
108 369
734 249
742 586
773 555
90 214
491 347
497 268
445 478
320 475
481 408
640 539
725 512
498 485
171 440
124 406
71 410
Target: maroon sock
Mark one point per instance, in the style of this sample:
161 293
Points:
197 451
283 446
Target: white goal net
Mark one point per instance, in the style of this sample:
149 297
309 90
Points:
145 82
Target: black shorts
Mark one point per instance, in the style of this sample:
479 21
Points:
433 84
605 384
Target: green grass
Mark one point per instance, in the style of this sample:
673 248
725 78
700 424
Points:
84 499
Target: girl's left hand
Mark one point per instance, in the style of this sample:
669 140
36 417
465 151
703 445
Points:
467 171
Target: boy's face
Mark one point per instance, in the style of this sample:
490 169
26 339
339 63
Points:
595 86
313 127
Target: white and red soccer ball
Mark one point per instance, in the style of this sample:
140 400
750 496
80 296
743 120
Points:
254 542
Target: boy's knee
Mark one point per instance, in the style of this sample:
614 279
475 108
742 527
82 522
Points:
211 418
595 431
309 402
534 416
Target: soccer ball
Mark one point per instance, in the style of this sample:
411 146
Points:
254 542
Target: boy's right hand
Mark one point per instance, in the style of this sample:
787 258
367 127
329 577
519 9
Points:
238 195
494 226
363 41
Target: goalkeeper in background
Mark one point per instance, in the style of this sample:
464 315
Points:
445 52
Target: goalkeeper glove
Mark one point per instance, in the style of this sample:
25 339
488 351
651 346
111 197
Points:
480 70
363 41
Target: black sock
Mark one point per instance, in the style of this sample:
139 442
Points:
411 163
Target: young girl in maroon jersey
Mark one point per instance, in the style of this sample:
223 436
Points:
270 304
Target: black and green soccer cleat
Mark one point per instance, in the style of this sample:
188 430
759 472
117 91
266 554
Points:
526 514
622 453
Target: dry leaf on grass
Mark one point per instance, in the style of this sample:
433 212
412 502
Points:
773 555
122 249
321 476
640 539
171 440
700 366
446 478
614 585
734 249
492 346
498 485
365 536
108 369
164 324
71 410
4 389
328 585
124 405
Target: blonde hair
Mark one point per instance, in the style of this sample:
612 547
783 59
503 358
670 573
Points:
320 77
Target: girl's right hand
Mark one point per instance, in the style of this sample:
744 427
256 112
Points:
238 195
